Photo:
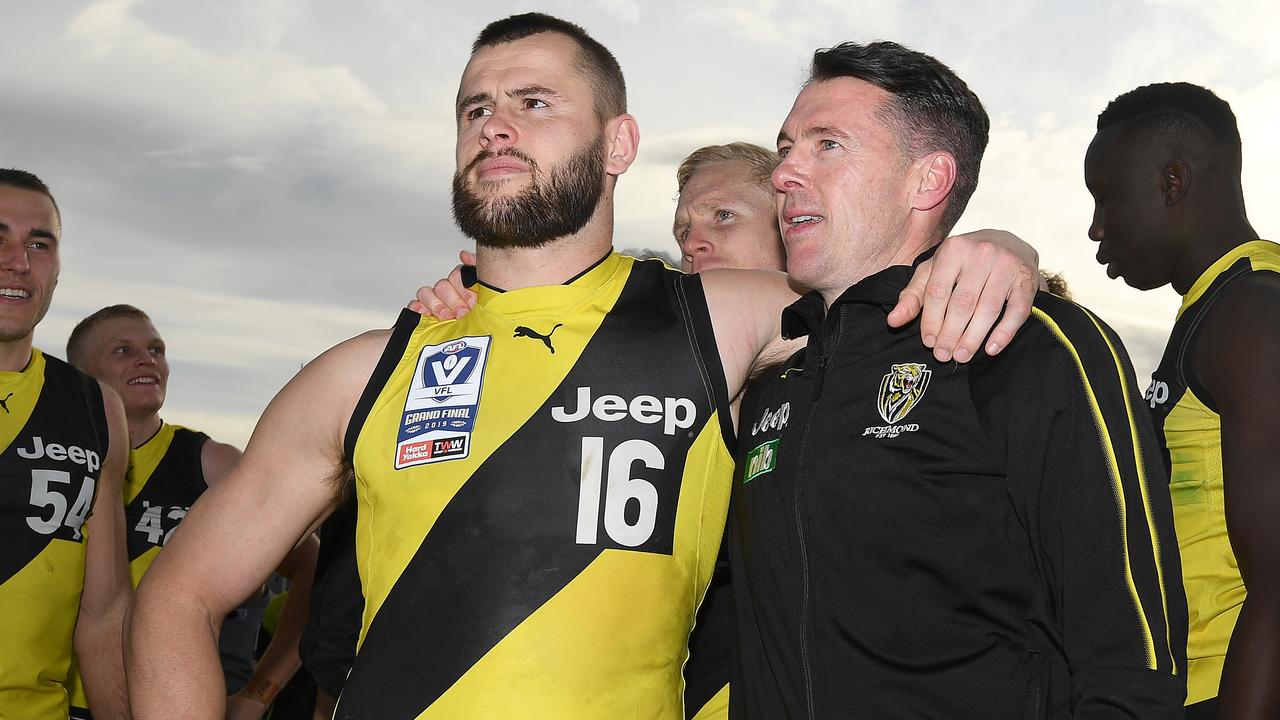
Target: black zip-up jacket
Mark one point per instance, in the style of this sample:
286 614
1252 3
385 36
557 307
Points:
915 539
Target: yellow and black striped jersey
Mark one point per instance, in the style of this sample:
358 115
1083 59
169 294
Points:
542 489
1190 430
53 429
165 479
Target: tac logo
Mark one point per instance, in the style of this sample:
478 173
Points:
901 390
1157 393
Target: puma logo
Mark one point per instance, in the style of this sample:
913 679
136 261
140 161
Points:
5 403
522 331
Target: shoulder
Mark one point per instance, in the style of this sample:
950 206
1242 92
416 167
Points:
217 459
1238 332
1061 347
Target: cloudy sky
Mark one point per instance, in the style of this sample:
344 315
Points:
268 177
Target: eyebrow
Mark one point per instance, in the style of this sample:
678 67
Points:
35 232
816 130
526 91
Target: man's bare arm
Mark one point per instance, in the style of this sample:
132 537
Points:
107 588
280 661
1238 355
240 530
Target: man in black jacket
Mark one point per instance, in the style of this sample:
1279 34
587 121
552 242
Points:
915 539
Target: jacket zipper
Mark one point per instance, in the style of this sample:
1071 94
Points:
824 351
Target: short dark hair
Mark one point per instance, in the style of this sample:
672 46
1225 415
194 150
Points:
13 177
75 342
932 108
608 88
1180 112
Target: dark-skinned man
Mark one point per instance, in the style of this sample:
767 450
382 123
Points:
1164 172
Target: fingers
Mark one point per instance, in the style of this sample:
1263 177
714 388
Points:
1017 310
911 299
951 294
447 299
467 257
990 303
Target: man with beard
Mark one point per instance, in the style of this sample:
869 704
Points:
1164 172
541 486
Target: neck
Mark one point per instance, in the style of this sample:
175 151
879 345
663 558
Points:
917 240
15 354
513 268
1205 244
141 429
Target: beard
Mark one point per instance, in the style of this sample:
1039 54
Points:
554 205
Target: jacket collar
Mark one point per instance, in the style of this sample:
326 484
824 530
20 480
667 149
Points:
806 314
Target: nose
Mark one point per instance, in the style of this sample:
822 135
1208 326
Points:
1096 232
13 257
697 242
498 131
789 174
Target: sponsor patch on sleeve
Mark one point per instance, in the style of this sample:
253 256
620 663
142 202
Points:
440 409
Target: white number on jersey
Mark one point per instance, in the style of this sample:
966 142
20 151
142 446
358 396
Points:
150 522
619 489
45 494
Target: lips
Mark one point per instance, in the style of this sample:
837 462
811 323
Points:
144 380
11 292
1105 260
498 164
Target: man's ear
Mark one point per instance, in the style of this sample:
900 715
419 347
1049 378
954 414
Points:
1175 182
621 141
934 176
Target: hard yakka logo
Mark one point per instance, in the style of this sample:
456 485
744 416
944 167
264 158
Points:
522 331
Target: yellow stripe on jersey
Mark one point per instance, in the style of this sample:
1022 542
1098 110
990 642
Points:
1108 445
1142 483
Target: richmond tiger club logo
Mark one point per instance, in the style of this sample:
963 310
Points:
901 389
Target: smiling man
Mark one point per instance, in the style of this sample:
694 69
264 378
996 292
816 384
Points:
921 539
64 581
170 466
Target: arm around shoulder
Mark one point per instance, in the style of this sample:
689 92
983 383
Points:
746 313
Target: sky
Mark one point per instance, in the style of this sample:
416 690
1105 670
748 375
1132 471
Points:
266 178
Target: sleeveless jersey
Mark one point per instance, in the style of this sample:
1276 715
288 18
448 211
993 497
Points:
1191 433
53 431
164 480
542 489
